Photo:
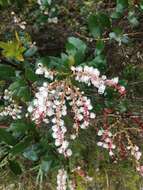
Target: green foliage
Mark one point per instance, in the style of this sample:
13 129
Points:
21 146
15 167
141 4
121 5
5 2
7 137
6 72
13 50
30 74
118 35
97 23
76 48
21 90
21 126
133 19
99 47
30 154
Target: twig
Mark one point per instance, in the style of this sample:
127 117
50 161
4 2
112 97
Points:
108 38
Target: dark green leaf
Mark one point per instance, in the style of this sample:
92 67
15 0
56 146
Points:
99 47
99 62
21 126
21 146
24 93
30 74
21 90
15 167
124 3
121 5
17 84
7 137
104 20
97 23
6 72
76 48
94 26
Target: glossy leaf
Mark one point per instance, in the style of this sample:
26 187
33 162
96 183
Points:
21 90
30 74
15 167
21 146
99 47
6 72
21 126
7 137
97 23
76 48
94 26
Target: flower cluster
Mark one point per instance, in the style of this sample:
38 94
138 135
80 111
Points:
50 106
135 152
11 109
59 128
42 70
90 75
81 107
62 180
140 170
106 141
71 185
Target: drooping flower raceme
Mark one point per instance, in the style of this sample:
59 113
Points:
49 103
135 152
50 106
140 169
91 76
106 140
65 182
62 180
81 107
71 185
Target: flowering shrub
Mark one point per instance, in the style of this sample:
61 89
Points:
54 108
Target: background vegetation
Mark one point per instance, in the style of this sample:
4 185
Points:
112 32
